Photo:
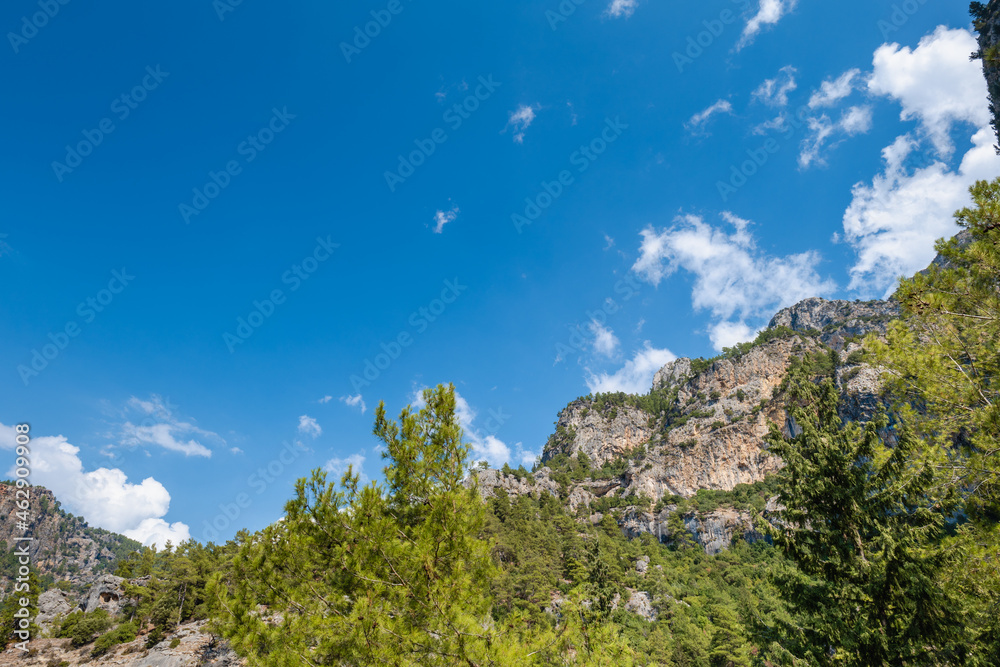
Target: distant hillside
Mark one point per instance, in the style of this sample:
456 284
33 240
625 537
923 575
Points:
64 547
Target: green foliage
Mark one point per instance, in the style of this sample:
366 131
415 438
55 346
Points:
81 628
856 357
124 633
701 365
865 541
374 575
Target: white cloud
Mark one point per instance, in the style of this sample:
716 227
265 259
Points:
605 341
162 428
104 497
934 83
325 399
236 451
309 426
619 8
769 13
520 120
831 92
356 401
734 280
892 222
853 121
636 376
774 92
159 532
442 218
777 124
728 334
337 467
697 123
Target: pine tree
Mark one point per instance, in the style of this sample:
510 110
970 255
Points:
864 538
374 575
942 367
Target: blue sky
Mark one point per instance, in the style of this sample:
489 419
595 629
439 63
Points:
232 230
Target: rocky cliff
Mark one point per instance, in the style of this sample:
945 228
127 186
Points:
701 427
63 546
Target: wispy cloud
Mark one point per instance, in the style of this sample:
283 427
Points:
520 120
768 13
309 426
831 92
442 218
893 221
605 342
774 92
619 8
357 402
636 376
698 122
853 121
158 425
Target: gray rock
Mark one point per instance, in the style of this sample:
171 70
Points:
837 320
106 593
640 605
673 374
642 565
52 604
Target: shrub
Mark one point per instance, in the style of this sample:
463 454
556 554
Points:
80 628
124 633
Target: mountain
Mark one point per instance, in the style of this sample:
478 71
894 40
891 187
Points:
700 428
64 547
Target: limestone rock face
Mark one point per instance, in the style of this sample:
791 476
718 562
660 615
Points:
490 481
52 604
601 436
107 593
673 374
837 320
709 433
61 546
715 531
196 647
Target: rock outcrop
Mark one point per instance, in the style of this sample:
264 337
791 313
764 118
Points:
601 436
107 593
837 321
62 545
189 646
52 605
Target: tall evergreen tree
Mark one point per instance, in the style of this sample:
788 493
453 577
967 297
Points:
864 538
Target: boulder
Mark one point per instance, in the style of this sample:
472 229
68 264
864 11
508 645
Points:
52 604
